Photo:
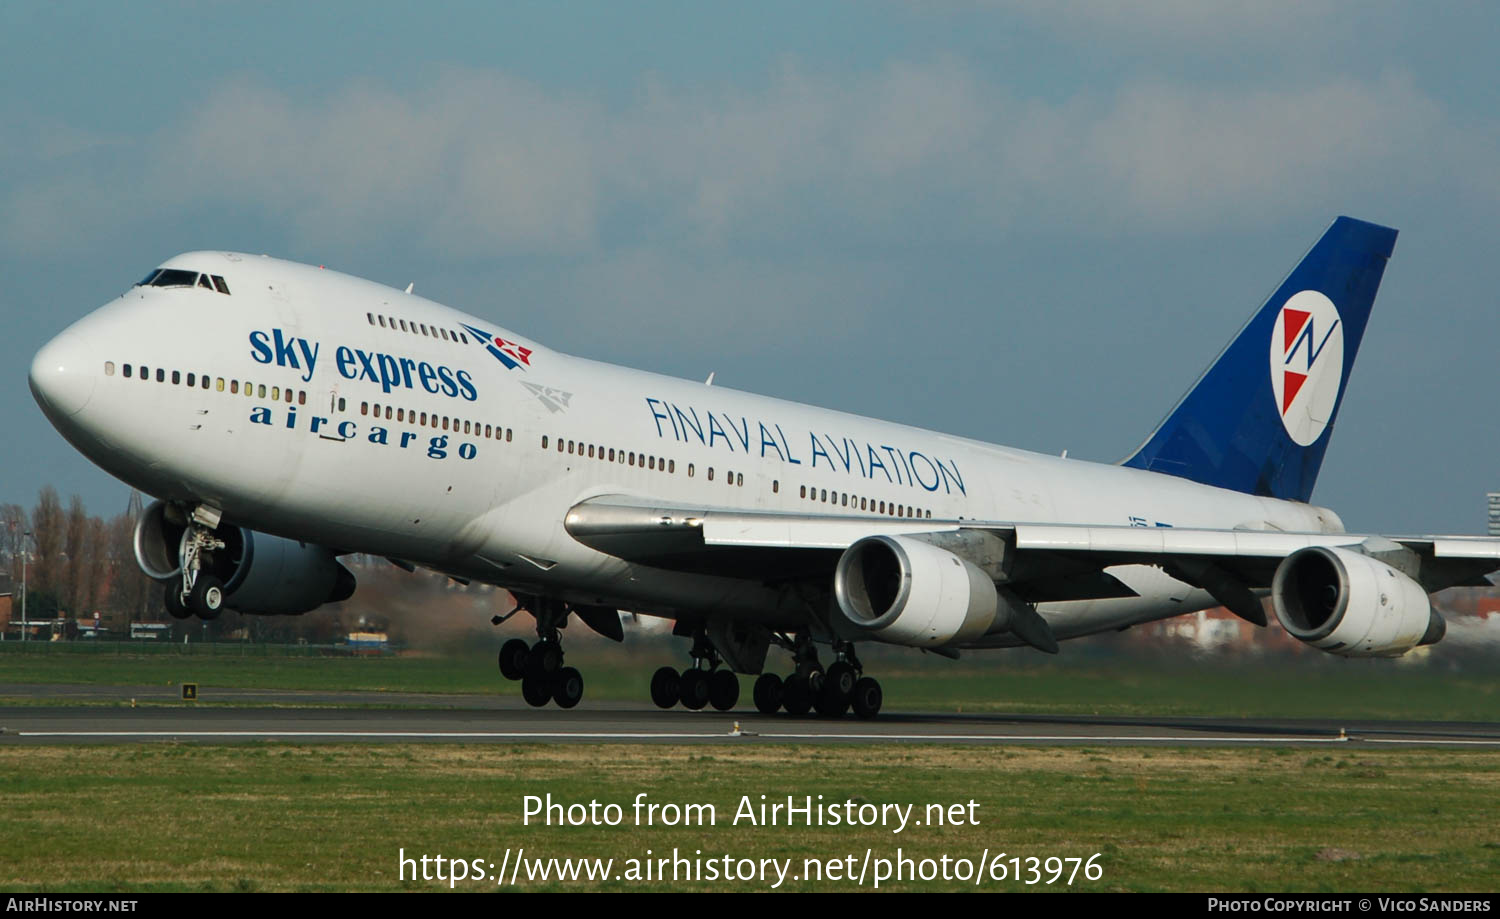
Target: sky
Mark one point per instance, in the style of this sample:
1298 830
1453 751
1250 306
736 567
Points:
1031 224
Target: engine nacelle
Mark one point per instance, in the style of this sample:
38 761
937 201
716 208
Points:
1350 604
906 592
261 573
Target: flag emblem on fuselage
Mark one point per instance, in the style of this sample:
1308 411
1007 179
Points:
511 354
1307 364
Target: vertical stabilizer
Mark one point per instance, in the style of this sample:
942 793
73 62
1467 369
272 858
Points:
1259 419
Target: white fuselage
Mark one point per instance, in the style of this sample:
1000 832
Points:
476 455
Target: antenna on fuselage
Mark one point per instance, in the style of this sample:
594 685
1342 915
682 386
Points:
709 381
410 286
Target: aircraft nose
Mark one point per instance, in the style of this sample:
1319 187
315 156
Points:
61 380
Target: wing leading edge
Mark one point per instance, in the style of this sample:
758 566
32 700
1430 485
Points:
1042 562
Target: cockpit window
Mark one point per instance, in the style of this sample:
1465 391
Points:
177 277
172 277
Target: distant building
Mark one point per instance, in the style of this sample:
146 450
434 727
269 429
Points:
7 598
1494 512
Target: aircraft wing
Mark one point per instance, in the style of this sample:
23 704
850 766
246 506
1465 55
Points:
1040 562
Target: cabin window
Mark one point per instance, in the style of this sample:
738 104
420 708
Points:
710 473
671 466
219 384
544 441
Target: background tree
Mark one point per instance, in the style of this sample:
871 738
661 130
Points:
49 524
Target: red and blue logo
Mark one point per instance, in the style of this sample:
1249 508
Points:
511 354
1307 364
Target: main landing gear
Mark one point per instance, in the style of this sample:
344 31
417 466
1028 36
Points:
832 692
197 593
701 685
539 667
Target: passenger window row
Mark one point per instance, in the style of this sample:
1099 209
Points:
416 328
178 277
611 455
434 420
854 502
205 381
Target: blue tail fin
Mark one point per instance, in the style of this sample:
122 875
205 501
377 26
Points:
1259 419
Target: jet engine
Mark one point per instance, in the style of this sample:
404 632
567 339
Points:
904 591
261 573
1350 604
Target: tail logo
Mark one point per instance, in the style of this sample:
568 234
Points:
1307 364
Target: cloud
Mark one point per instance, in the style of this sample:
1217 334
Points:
474 164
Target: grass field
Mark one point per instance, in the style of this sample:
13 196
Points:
271 816
1011 681
274 817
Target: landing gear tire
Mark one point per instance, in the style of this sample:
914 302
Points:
840 678
831 703
544 659
173 601
694 689
767 693
866 698
567 687
666 687
723 690
206 599
537 691
796 695
513 656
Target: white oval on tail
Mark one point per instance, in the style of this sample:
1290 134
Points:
1307 364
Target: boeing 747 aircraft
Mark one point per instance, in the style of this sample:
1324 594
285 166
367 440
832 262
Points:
283 415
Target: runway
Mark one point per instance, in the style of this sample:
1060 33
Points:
104 715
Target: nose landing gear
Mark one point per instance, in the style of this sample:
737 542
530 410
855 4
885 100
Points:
198 592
